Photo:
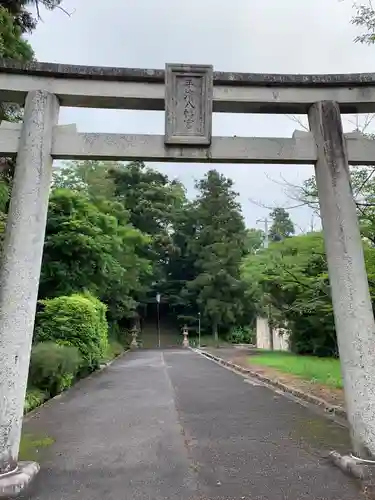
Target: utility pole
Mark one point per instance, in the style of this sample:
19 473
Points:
266 238
199 330
158 316
312 225
265 245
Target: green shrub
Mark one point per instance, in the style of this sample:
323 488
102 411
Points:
53 367
34 398
125 338
114 349
241 335
76 320
119 333
114 330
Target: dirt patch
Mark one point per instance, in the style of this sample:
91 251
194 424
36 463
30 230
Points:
331 395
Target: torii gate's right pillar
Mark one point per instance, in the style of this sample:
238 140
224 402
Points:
352 306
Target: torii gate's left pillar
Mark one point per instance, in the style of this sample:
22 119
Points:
19 279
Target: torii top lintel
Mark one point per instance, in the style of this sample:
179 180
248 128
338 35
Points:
144 89
109 73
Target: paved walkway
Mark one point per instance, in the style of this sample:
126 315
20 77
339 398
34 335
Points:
174 425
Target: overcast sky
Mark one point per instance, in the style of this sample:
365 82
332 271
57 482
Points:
270 36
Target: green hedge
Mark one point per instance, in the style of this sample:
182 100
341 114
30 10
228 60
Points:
241 335
77 320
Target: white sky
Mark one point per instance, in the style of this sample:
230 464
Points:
270 36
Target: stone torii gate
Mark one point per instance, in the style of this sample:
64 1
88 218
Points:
188 94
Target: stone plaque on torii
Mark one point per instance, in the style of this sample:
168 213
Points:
188 105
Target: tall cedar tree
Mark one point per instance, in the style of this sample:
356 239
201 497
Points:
180 268
219 245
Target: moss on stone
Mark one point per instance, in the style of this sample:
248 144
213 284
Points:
32 446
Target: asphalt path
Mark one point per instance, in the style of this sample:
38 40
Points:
173 425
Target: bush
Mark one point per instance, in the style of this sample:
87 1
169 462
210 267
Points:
77 320
114 349
241 335
53 367
34 398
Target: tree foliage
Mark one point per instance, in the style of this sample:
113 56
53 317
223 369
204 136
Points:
363 188
91 247
20 11
149 196
123 231
282 226
152 202
87 177
364 18
254 240
218 245
12 44
292 278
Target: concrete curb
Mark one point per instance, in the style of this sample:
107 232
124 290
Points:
102 367
332 409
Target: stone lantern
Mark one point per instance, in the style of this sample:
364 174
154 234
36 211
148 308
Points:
134 334
185 333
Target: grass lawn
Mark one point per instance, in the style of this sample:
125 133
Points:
207 341
320 370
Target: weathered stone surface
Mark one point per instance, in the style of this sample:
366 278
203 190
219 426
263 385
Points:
158 75
351 300
263 333
188 105
301 150
68 144
128 89
86 72
347 464
11 485
20 272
